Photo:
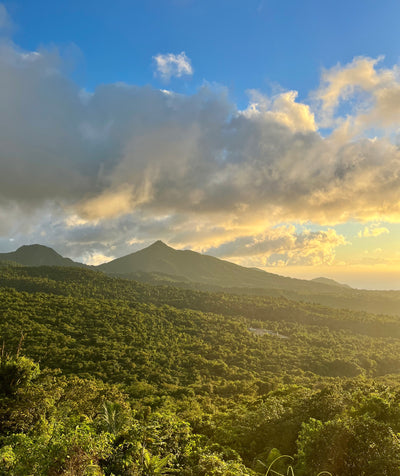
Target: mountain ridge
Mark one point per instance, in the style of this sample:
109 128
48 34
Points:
161 265
38 255
176 265
330 282
192 266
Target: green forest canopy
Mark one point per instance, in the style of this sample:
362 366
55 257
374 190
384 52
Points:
120 377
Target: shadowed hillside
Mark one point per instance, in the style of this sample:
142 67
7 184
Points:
37 255
190 266
161 264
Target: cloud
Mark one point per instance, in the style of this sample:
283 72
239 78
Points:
283 246
6 23
283 109
128 164
372 94
111 203
125 148
339 83
170 65
94 259
373 231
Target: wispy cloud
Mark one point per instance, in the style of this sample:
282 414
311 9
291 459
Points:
373 231
95 259
6 23
372 93
283 246
170 65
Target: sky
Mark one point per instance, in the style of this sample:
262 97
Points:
262 132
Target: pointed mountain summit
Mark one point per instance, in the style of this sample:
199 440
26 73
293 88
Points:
37 255
156 258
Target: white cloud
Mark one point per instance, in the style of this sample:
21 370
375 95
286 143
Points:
283 109
170 65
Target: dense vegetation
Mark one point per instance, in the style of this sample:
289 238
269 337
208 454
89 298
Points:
159 264
118 377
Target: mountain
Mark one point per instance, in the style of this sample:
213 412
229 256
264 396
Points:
160 264
186 266
37 255
190 267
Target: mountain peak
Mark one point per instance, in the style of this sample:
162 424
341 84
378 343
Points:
160 245
35 247
187 265
37 255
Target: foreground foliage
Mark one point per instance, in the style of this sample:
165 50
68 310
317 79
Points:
117 377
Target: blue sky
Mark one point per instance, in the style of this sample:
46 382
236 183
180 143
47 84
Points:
262 132
252 44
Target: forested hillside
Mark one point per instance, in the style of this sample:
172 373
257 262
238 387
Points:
118 377
161 265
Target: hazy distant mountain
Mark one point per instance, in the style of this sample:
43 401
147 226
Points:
189 266
37 255
330 282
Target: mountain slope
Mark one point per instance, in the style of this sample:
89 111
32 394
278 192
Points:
194 267
162 265
331 282
37 255
187 265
